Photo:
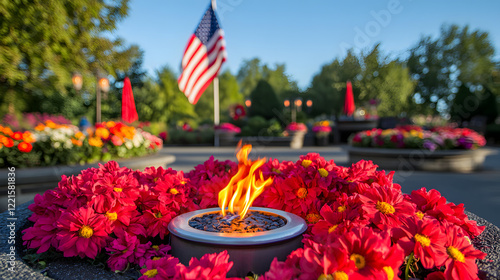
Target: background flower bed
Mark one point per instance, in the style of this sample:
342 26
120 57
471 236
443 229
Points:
415 137
52 144
355 213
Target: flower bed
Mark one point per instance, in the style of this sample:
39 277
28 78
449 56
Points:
55 144
360 224
412 148
414 137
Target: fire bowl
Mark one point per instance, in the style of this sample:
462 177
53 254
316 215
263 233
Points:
248 251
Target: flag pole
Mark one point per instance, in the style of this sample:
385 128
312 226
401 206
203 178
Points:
216 98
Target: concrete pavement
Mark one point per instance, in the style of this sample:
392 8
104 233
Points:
479 191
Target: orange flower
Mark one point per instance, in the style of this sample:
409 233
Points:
40 127
7 131
50 124
102 133
95 142
76 142
79 135
110 124
8 142
25 147
28 137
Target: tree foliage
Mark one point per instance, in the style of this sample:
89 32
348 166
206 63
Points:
43 42
264 101
252 71
440 66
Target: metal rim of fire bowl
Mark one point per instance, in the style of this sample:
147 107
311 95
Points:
294 226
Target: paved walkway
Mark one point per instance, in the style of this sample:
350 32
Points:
479 191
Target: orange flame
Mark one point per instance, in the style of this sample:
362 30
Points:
245 186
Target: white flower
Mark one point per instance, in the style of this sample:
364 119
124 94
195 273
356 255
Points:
129 145
56 144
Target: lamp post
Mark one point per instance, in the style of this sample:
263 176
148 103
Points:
101 86
295 106
309 104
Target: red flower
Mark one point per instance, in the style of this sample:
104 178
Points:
8 142
156 220
209 267
43 234
124 250
461 261
82 233
299 197
371 253
425 238
17 135
436 275
161 269
279 271
385 206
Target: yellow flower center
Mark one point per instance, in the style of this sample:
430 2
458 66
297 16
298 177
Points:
455 254
323 172
390 273
306 163
156 258
332 228
340 275
420 215
422 239
313 218
325 277
341 208
124 251
174 191
359 261
385 208
86 232
151 273
302 192
156 247
118 189
112 216
158 215
276 170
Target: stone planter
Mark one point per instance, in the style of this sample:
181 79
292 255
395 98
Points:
30 181
297 139
13 266
421 159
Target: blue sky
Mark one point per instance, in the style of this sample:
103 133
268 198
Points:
303 35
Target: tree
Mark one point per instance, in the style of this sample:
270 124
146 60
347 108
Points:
387 81
252 71
329 85
42 42
264 101
229 95
440 66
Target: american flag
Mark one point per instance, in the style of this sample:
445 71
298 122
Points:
203 58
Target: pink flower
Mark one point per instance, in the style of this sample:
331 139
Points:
124 250
209 267
82 233
161 269
117 141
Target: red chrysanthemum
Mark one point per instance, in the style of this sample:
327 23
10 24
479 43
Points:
156 220
124 250
425 238
24 147
461 260
209 267
299 197
82 233
385 206
42 234
371 253
160 269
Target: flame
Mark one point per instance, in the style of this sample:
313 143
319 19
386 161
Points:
245 186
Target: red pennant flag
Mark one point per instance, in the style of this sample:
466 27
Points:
349 106
129 113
